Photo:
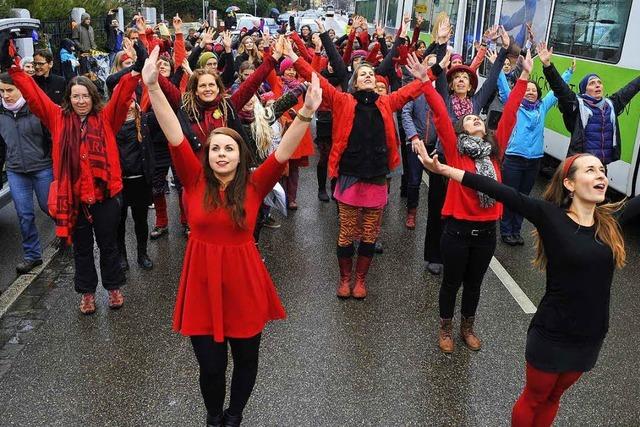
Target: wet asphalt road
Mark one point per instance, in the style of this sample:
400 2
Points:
11 240
332 362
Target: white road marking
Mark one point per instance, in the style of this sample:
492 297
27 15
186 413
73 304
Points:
516 292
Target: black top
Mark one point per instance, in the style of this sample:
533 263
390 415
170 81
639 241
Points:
575 306
53 85
366 153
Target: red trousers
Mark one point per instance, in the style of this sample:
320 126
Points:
160 202
539 402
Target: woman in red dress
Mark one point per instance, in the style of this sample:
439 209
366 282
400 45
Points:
226 293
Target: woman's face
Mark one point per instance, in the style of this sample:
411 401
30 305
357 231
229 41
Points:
507 66
305 31
290 73
28 68
473 125
164 67
315 38
132 108
246 73
211 65
81 101
421 49
9 93
261 44
460 83
332 33
365 79
456 62
590 182
248 43
224 156
126 63
207 89
531 94
381 88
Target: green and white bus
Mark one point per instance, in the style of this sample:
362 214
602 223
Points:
598 33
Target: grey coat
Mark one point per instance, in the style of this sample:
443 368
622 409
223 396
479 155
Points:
84 36
23 137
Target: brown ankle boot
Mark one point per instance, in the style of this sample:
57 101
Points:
344 286
467 334
360 286
410 223
445 341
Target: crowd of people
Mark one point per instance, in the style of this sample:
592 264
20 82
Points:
231 119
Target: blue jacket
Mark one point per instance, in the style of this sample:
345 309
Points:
527 139
415 123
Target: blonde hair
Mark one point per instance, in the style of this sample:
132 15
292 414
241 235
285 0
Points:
607 227
261 127
255 56
442 16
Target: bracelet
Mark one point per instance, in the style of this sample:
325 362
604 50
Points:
303 118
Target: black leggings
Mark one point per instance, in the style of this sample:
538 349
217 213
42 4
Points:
467 248
212 358
137 196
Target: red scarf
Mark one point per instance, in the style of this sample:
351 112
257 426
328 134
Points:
68 191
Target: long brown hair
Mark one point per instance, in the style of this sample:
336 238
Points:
607 227
236 189
190 98
96 99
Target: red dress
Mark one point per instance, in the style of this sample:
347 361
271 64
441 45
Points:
225 289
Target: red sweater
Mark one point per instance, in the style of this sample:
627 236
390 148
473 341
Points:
113 116
343 107
462 202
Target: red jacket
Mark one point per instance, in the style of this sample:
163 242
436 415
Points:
462 202
344 111
113 116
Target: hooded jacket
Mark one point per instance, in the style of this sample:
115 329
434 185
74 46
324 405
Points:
27 146
582 139
83 35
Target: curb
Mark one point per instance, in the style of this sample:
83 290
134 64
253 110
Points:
13 292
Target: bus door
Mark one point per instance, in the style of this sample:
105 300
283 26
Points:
477 16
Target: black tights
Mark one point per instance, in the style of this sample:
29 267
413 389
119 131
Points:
212 358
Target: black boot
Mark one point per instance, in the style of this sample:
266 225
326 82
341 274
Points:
229 420
214 421
145 262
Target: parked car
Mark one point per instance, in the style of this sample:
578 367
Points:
330 12
245 22
272 25
311 22
244 15
284 18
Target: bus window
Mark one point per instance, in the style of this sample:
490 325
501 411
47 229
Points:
594 29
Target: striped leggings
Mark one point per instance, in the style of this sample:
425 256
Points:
358 223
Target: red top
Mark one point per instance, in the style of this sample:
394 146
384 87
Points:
112 115
225 289
343 107
462 202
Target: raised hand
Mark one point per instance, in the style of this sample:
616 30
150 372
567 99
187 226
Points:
320 25
186 67
288 49
278 49
406 18
506 41
544 54
313 98
416 68
207 37
444 32
492 55
317 43
226 41
430 163
446 59
419 21
177 23
379 30
150 70
140 24
527 65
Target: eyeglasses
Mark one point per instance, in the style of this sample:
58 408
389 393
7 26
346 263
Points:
40 64
82 97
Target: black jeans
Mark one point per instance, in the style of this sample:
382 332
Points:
105 217
520 173
467 249
435 201
212 358
137 196
414 177
323 143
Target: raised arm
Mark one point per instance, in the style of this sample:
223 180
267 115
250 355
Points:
503 87
479 58
179 50
621 98
249 87
442 123
302 48
484 95
510 112
567 100
39 103
550 99
386 66
226 58
346 56
339 67
297 129
116 109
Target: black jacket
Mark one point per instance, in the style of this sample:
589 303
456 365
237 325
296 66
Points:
54 86
136 157
568 106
